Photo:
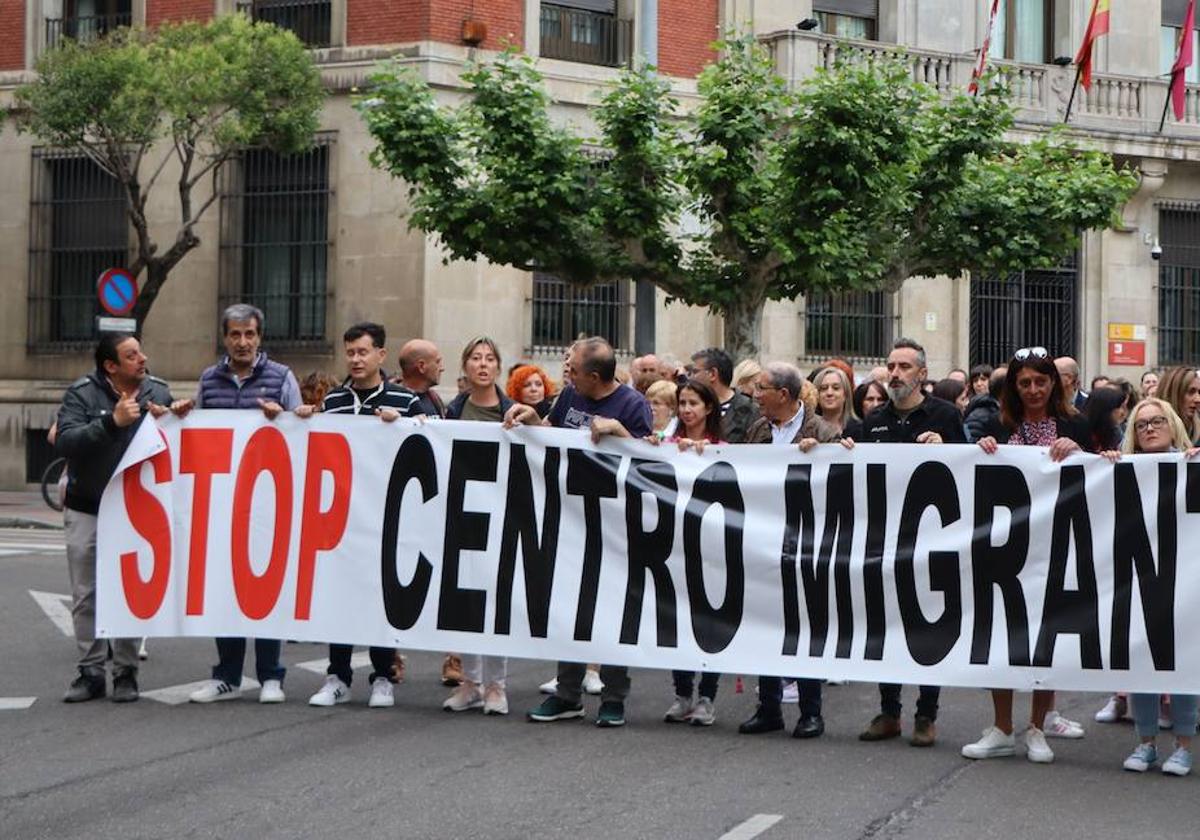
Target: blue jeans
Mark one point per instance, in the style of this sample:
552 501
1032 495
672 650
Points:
770 696
231 654
1145 714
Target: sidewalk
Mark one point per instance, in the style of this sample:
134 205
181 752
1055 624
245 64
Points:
27 509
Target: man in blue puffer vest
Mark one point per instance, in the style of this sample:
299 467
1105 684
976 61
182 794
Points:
246 378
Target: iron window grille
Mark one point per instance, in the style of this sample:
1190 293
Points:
85 21
856 325
1179 284
586 31
310 20
78 227
275 242
564 312
1034 307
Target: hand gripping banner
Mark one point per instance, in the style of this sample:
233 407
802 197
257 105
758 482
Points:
938 565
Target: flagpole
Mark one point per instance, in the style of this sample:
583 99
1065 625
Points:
1074 87
1167 101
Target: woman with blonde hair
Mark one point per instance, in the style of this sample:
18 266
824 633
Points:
745 374
1180 386
1155 428
835 400
663 401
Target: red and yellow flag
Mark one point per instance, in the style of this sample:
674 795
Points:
1097 26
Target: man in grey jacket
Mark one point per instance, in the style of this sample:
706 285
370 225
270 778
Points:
96 422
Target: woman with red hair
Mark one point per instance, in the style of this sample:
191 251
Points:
530 385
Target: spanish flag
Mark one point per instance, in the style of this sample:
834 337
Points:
1097 26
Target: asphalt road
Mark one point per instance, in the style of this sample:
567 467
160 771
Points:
241 769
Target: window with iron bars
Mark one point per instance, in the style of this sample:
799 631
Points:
78 227
1179 284
275 245
310 20
86 20
857 325
1037 307
563 312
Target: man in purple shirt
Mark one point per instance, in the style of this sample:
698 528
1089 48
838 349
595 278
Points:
593 400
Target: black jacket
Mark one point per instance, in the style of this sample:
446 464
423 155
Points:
885 425
737 420
1074 427
455 409
982 417
90 439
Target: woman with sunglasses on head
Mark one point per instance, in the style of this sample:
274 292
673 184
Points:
1180 387
1034 411
1155 428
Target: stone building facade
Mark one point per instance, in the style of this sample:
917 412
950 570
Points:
319 241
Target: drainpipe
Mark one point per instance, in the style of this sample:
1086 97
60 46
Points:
645 302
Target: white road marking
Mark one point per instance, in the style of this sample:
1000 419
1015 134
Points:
176 695
14 704
319 666
752 827
58 609
32 548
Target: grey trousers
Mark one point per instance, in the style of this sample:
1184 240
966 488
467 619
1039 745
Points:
81 564
570 682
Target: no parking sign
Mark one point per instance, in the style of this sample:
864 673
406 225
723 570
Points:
117 290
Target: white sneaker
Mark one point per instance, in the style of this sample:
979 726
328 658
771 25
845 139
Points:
703 713
552 686
591 682
332 692
791 693
271 692
495 700
215 690
382 695
143 654
679 711
1057 726
993 744
1036 748
464 698
1117 708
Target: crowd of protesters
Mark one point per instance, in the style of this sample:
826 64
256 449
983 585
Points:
1033 399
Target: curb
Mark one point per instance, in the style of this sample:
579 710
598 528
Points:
25 522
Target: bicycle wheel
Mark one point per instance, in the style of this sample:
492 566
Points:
50 479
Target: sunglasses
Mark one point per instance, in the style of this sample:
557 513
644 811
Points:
1028 352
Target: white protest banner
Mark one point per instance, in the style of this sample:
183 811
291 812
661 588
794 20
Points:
938 565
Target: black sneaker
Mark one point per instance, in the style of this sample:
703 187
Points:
555 708
85 687
612 713
125 688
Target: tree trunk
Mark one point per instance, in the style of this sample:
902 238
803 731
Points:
743 329
156 275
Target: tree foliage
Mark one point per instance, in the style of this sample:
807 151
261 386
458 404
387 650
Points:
859 179
190 93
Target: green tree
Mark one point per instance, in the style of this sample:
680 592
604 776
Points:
857 180
192 94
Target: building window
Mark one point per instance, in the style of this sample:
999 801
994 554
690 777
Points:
1024 31
1179 284
311 20
78 228
587 31
1169 33
85 20
275 242
1037 307
562 312
851 324
848 18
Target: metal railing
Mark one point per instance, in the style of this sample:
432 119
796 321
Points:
586 37
83 28
310 20
1034 307
1039 92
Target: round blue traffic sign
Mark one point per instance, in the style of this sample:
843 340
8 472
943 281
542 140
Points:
117 290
